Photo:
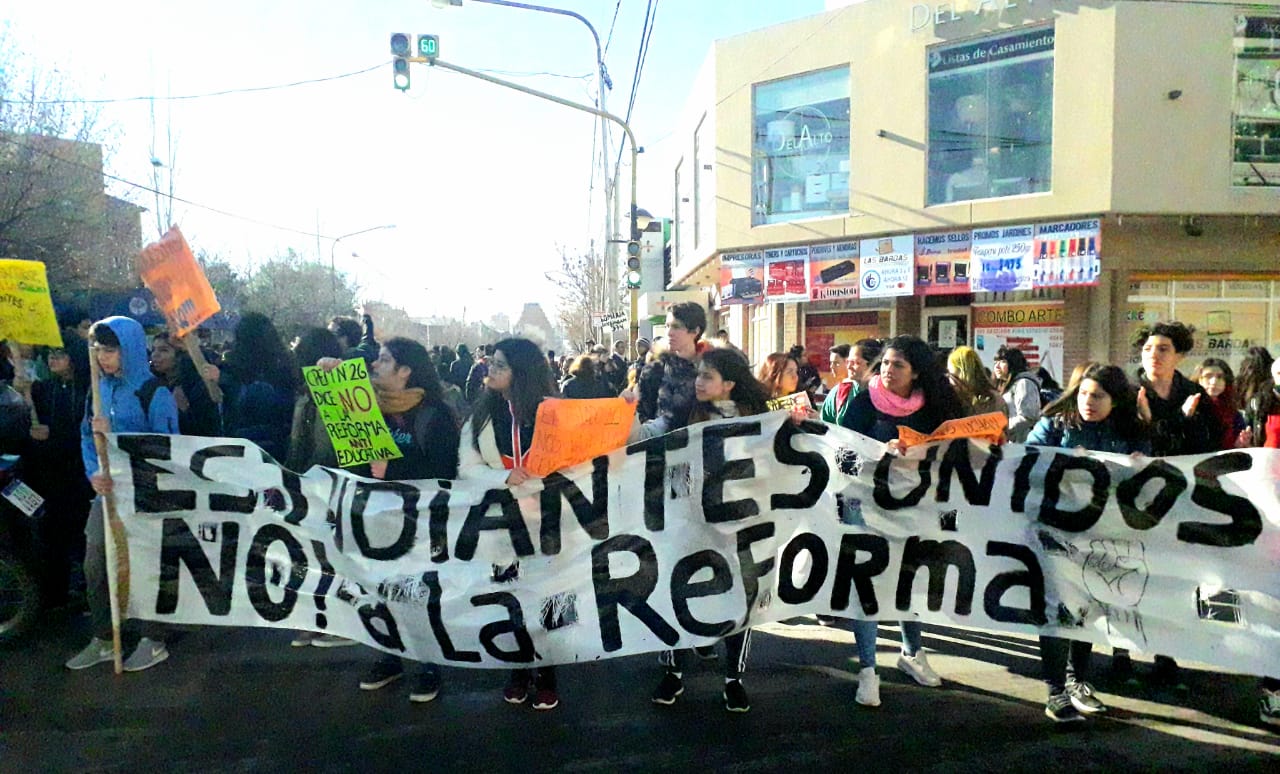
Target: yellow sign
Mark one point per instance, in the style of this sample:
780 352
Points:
1017 315
347 406
983 427
568 432
26 310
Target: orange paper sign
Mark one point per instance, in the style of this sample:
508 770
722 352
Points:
983 427
572 431
171 273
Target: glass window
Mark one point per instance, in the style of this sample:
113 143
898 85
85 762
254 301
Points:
800 152
1256 139
991 117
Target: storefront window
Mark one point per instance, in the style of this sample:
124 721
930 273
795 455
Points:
1256 139
991 117
800 152
1228 316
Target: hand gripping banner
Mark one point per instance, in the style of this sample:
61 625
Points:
684 538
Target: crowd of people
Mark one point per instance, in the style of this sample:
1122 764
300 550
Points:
455 415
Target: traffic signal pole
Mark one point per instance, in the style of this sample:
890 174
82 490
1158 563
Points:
631 139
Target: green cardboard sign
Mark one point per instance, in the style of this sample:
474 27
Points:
346 405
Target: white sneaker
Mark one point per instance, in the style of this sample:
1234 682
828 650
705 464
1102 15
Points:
1269 707
332 641
96 652
146 655
868 688
918 667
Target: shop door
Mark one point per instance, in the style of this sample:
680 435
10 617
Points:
946 327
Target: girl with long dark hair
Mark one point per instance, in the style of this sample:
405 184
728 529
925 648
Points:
1021 390
495 443
780 374
911 390
1098 412
257 380
425 430
724 388
1215 377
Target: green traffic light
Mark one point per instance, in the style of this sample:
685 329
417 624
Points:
429 46
400 74
633 279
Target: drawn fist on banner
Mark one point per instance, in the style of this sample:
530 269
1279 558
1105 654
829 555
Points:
1116 572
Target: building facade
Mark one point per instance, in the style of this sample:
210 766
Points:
1054 175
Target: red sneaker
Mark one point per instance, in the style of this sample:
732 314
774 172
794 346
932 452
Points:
545 699
517 690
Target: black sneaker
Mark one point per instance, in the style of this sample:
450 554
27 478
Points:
1167 675
706 652
735 697
381 675
1122 667
426 687
1059 709
827 620
1083 697
667 690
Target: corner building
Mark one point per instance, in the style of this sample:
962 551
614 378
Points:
1049 174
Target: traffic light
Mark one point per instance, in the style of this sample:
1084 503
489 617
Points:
633 264
429 47
400 66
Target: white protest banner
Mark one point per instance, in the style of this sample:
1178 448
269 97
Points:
683 538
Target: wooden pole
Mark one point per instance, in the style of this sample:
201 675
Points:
117 572
192 344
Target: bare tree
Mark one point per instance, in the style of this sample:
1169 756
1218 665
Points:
163 161
583 292
52 205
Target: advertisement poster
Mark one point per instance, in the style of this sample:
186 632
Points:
942 263
742 278
886 266
1003 259
1068 254
786 274
824 331
833 271
1036 329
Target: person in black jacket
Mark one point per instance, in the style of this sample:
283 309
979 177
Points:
665 386
1170 403
197 412
585 382
56 472
426 431
356 337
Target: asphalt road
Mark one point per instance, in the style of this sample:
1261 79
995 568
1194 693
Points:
240 700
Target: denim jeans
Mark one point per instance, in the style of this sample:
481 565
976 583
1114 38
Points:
864 634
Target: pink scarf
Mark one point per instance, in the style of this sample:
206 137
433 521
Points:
886 402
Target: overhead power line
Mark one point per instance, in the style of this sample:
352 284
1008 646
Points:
223 93
151 190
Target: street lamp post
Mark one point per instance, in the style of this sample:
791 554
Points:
606 84
333 271
638 214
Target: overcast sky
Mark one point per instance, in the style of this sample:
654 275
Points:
483 183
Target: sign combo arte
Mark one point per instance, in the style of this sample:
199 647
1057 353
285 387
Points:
681 539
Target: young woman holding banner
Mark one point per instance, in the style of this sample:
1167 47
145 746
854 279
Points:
425 430
1098 412
724 388
496 440
911 390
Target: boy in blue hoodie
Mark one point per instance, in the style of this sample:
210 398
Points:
133 401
